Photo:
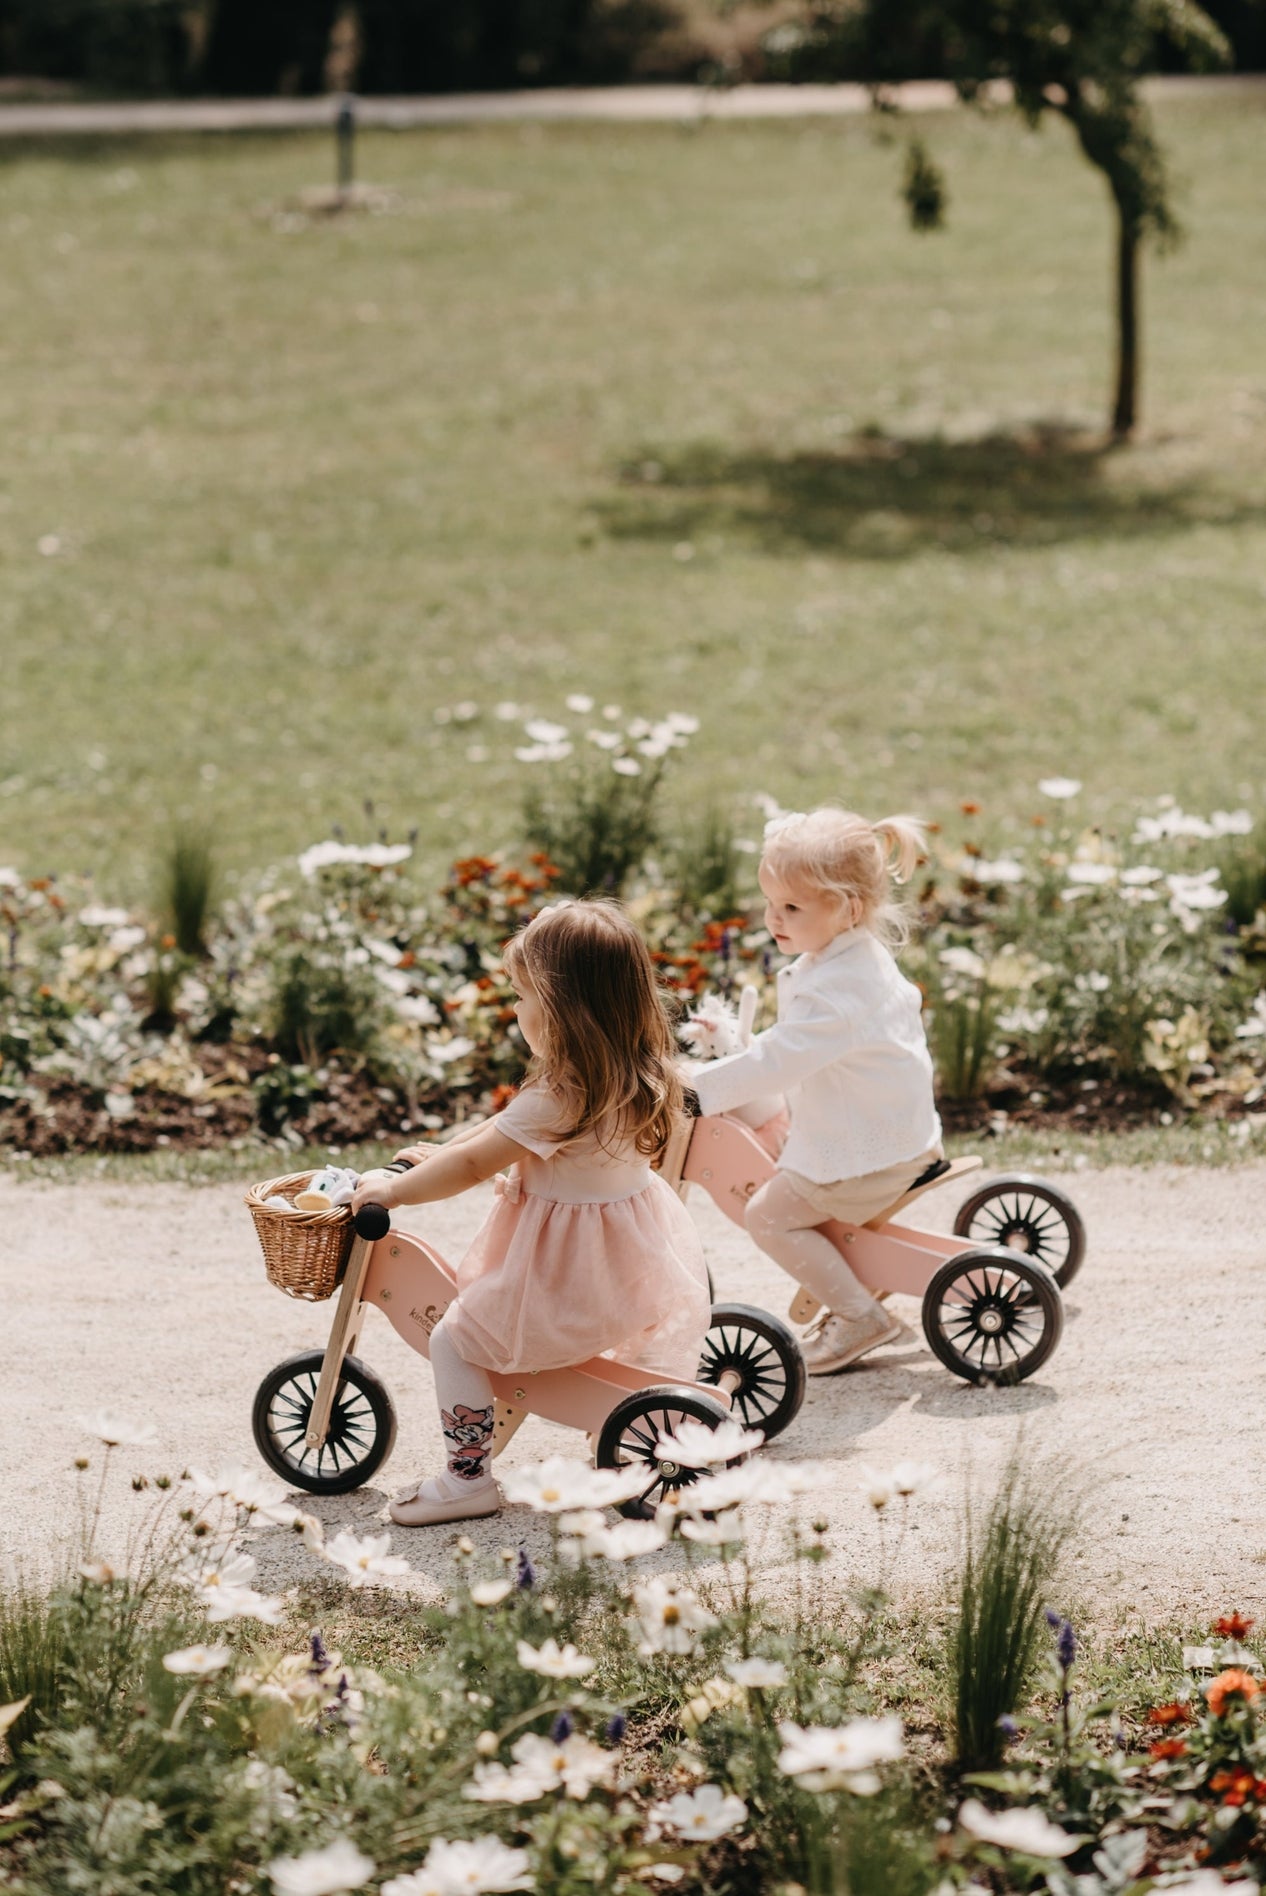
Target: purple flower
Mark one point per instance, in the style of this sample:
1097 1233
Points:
1008 1726
320 1657
617 1725
525 1572
1053 1619
1066 1645
562 1728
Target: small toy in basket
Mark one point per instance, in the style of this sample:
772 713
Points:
305 1233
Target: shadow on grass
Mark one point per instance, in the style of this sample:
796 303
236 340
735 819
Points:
881 496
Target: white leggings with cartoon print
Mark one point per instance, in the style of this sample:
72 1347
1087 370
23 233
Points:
464 1393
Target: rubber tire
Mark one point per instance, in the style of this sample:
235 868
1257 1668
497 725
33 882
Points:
1040 1188
362 1378
790 1356
668 1399
1044 1289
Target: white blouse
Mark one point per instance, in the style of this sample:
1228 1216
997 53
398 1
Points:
850 1053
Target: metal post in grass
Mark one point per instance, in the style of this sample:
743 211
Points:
345 142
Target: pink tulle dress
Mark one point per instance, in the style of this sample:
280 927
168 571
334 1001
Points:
585 1253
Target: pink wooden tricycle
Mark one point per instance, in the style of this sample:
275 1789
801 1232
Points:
991 1312
324 1420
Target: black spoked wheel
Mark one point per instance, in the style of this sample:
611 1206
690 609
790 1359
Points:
631 1435
362 1428
993 1316
1027 1215
757 1358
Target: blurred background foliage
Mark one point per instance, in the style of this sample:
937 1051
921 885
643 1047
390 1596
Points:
263 47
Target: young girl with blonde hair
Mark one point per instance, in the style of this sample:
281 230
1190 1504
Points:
586 1250
850 1053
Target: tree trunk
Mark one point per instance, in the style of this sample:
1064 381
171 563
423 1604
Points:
1125 404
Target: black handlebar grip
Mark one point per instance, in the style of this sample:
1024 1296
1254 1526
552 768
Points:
372 1222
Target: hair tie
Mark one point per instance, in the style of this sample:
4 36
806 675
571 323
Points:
777 823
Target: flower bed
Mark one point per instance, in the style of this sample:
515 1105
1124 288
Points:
585 1725
1077 977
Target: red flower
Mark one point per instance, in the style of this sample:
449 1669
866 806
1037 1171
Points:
500 1097
1175 1714
1233 1626
473 869
1166 1748
970 809
1233 1683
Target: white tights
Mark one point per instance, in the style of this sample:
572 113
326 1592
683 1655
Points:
787 1228
466 1402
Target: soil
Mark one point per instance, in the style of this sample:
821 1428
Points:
347 1107
152 1302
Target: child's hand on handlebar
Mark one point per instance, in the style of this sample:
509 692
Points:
376 1187
414 1155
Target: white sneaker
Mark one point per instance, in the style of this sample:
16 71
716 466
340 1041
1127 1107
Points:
835 1342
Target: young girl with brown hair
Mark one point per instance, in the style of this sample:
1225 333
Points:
850 1053
586 1250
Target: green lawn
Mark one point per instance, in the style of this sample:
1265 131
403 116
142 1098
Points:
690 420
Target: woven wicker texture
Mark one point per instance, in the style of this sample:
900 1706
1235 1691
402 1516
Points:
305 1252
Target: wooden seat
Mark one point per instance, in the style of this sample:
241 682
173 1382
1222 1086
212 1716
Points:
805 1306
927 1183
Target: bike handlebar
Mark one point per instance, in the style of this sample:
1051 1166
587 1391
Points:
372 1222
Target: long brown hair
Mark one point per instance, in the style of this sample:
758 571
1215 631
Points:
608 1047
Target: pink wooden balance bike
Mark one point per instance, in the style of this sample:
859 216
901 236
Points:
991 1312
324 1420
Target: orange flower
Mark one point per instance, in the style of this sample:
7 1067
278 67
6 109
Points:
500 1097
1175 1714
1233 1626
1235 1787
1166 1748
970 809
1233 1683
407 960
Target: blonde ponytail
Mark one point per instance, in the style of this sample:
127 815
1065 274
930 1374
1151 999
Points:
904 843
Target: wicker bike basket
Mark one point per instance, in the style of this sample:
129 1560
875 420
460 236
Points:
305 1252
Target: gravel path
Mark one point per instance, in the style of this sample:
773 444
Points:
153 1302
667 104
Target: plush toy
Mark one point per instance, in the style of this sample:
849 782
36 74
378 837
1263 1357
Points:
327 1189
715 1029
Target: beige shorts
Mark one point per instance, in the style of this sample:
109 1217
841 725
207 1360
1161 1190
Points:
854 1200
